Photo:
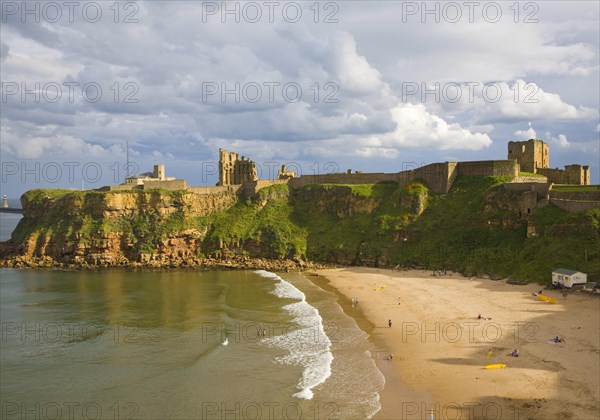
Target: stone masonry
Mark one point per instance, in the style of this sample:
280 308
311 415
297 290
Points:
235 171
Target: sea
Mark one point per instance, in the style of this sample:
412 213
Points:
181 344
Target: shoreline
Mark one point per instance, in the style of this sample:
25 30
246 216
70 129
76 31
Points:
390 404
440 347
233 263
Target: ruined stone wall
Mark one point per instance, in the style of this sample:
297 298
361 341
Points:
215 190
572 174
530 179
540 189
576 195
342 178
122 187
438 176
173 185
489 168
577 174
573 206
557 176
234 170
250 188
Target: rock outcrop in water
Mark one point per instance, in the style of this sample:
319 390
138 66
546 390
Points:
477 228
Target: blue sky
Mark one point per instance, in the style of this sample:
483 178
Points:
323 87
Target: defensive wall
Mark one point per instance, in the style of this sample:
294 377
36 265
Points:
572 174
342 178
171 185
215 190
250 188
576 195
541 190
176 184
439 177
574 206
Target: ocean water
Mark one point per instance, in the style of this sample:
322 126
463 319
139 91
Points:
8 221
179 344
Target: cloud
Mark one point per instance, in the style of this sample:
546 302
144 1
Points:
4 49
359 62
49 146
526 134
561 141
418 128
353 70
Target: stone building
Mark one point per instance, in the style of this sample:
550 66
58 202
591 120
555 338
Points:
158 174
155 180
235 171
533 156
283 173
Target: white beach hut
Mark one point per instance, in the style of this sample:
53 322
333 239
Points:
568 278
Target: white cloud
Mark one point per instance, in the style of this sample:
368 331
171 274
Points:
526 134
418 128
352 69
169 55
561 141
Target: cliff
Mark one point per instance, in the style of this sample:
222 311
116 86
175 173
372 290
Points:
479 227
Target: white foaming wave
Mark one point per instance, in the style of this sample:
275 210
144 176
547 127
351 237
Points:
308 346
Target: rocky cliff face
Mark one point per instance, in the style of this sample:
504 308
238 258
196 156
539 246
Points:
477 228
115 228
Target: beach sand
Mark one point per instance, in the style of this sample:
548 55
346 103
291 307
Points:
440 348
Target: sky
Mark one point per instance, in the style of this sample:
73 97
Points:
376 86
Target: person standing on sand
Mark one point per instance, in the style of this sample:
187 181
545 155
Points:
399 301
389 323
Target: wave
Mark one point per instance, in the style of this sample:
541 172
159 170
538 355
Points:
308 346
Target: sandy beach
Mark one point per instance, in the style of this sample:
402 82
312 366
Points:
440 346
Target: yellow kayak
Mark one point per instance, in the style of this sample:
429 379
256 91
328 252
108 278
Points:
495 366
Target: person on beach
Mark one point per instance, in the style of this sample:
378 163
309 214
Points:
389 323
399 301
515 353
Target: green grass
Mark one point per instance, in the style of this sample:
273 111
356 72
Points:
41 194
531 174
568 187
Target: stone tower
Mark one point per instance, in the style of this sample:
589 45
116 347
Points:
159 172
235 171
531 154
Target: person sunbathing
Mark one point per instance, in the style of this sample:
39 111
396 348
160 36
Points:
515 353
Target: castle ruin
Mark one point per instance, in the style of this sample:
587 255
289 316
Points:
532 156
235 171
239 176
